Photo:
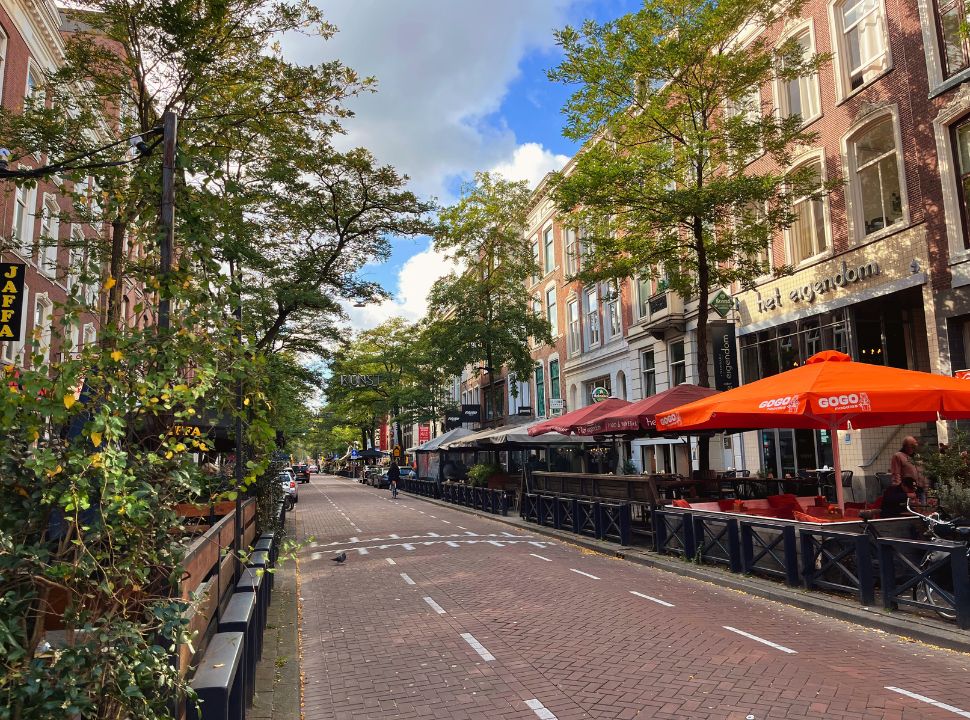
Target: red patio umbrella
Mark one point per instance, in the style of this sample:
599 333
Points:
567 423
829 392
641 415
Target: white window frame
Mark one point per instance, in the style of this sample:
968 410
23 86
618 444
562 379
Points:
536 258
943 126
3 60
643 300
934 51
814 157
548 250
872 68
574 344
591 310
50 223
75 258
853 199
751 106
813 89
23 221
43 303
671 363
571 250
89 335
551 310
644 371
613 312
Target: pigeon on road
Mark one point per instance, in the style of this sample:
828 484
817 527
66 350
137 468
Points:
340 558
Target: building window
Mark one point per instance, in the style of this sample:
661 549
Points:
572 312
89 336
800 96
951 16
863 41
535 261
555 392
807 233
614 323
32 86
75 259
43 309
643 297
678 363
3 59
540 391
23 221
551 313
875 177
592 317
49 234
648 373
747 110
572 252
549 250
962 141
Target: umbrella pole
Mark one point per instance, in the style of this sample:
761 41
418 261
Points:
837 462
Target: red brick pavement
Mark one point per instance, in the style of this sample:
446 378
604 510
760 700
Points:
585 648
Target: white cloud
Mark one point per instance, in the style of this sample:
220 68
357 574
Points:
442 68
414 281
530 162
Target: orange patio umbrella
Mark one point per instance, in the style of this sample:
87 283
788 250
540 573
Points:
642 414
567 423
828 392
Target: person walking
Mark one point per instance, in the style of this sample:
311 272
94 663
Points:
393 475
903 468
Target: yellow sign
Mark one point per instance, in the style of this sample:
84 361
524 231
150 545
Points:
11 299
397 451
185 431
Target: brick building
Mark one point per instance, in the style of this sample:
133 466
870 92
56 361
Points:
53 226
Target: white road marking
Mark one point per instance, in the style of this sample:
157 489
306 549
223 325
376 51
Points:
435 606
540 710
393 536
354 539
447 521
478 647
496 543
580 572
539 544
461 528
652 599
363 551
508 534
407 579
408 546
433 517
930 701
452 543
390 561
469 532
763 641
433 534
540 557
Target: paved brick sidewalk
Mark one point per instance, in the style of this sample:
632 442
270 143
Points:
567 633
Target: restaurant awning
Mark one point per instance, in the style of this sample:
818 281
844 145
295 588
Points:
434 444
516 434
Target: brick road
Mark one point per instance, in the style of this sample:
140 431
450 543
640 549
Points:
393 632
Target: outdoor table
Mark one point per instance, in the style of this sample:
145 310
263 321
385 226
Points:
673 484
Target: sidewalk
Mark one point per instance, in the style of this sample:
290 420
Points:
278 674
906 625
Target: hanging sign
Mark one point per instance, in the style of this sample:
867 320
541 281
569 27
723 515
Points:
725 356
722 303
600 394
11 300
397 451
424 433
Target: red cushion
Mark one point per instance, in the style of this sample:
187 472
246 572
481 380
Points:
680 504
726 505
804 517
787 501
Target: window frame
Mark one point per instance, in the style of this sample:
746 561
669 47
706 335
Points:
538 375
780 87
571 250
840 51
671 363
646 372
47 252
574 327
46 326
853 197
4 44
594 336
548 250
815 157
551 309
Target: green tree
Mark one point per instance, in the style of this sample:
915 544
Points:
482 315
684 174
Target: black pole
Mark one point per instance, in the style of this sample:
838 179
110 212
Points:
166 218
239 424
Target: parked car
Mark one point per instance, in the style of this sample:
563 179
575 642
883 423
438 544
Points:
288 483
409 473
314 469
302 473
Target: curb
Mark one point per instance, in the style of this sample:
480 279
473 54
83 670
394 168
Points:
908 627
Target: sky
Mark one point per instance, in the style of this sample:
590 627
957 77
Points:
462 87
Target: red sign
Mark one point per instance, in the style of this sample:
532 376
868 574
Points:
962 374
383 438
424 433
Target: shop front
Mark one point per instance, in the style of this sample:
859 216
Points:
869 303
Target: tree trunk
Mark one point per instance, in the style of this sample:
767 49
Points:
703 311
119 228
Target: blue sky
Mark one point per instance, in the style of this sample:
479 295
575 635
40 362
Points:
462 87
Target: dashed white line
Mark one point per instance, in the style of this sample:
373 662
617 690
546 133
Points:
435 606
540 557
394 536
496 543
447 522
390 561
408 546
452 543
580 572
478 647
652 599
540 710
508 534
776 646
930 701
407 578
469 532
363 551
354 539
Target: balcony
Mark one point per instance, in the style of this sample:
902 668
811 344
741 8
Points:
666 313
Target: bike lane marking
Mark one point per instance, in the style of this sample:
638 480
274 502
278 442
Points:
929 701
540 710
580 572
478 647
652 599
776 646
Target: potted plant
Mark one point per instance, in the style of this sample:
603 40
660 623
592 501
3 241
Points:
479 475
